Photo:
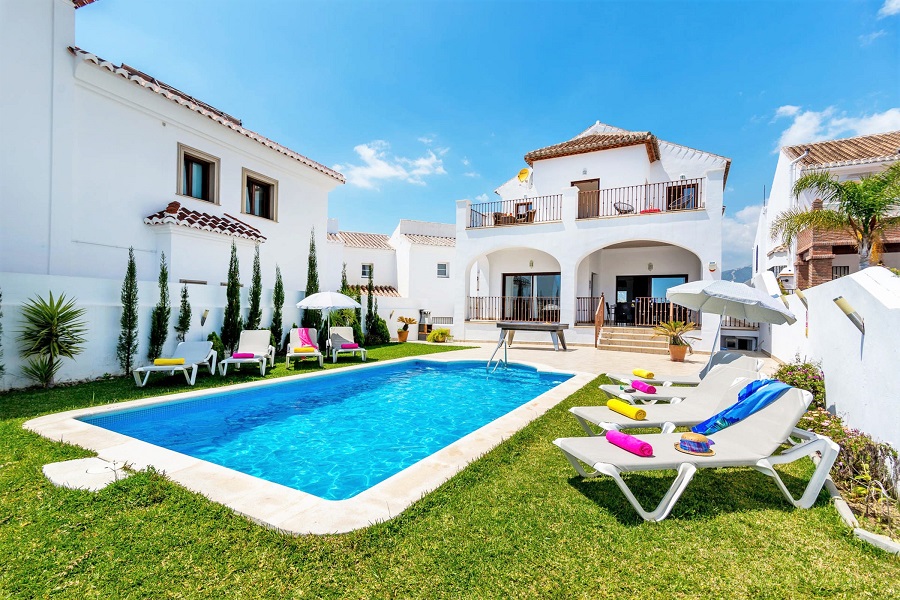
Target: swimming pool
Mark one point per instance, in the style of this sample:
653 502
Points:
338 434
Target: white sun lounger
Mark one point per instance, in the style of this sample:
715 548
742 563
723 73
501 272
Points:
294 342
255 342
666 393
732 359
343 335
751 442
194 355
718 391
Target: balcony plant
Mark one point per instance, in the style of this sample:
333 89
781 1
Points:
675 330
403 332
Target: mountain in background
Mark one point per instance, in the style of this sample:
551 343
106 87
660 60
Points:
741 275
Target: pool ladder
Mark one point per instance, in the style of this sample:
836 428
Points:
500 361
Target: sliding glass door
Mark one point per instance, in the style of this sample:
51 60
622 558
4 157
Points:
531 297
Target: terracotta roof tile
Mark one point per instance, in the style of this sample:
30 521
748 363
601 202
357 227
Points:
175 214
380 290
860 150
179 97
430 240
353 239
80 3
602 141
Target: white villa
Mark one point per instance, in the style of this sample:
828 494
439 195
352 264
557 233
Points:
819 257
612 214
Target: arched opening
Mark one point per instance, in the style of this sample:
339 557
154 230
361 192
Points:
514 284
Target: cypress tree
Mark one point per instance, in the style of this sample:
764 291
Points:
184 315
128 336
255 294
278 301
312 318
159 318
231 325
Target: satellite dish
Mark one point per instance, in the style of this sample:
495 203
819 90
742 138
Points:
523 174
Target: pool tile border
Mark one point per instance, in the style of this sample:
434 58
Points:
286 509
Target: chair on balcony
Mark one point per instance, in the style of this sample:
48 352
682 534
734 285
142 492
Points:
623 208
610 315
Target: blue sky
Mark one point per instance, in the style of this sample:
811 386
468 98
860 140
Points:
422 103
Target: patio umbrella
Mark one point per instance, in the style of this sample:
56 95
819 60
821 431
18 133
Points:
727 298
328 301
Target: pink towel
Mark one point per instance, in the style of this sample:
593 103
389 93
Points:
305 340
644 387
349 346
630 443
243 355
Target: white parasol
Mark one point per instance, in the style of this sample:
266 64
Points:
328 301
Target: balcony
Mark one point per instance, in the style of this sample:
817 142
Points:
641 312
522 211
513 308
650 198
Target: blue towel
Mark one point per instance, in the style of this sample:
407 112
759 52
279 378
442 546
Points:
754 397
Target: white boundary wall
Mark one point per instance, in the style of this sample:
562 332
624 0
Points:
861 380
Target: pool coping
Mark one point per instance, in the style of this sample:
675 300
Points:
283 508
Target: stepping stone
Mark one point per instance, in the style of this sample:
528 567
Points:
91 474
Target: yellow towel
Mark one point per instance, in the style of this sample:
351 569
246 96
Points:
643 373
623 408
167 362
304 349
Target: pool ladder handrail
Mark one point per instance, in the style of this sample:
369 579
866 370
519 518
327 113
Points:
504 361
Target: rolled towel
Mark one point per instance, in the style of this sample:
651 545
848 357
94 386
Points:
630 443
623 408
243 355
349 346
304 350
642 373
166 362
643 387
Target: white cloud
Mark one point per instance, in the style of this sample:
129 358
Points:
482 197
891 7
465 161
426 140
379 165
868 38
814 126
738 235
471 174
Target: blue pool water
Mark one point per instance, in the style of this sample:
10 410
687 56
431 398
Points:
337 435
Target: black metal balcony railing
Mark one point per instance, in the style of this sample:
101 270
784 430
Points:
521 211
735 323
642 312
650 198
512 308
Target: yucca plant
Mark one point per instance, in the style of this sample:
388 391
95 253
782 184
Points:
53 329
674 330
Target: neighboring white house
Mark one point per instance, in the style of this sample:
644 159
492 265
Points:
822 257
411 268
96 158
610 212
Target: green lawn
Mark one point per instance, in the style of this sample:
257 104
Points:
517 523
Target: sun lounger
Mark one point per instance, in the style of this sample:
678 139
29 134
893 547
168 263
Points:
733 359
752 442
253 347
667 393
191 355
302 344
719 390
342 342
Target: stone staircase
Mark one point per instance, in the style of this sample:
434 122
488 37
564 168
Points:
632 339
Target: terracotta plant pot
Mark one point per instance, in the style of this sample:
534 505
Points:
402 335
677 353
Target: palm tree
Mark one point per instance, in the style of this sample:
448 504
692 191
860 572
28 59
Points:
865 209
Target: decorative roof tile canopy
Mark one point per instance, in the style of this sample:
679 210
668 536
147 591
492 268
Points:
353 239
430 240
175 214
80 3
859 150
191 103
385 291
583 144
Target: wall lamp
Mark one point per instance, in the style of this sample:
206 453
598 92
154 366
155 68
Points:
203 317
851 313
802 298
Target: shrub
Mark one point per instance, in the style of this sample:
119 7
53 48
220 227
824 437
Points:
52 329
184 315
806 376
218 346
231 324
159 318
441 334
127 346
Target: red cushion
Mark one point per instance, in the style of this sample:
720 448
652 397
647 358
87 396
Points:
650 210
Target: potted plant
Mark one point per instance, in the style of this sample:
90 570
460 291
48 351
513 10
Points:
674 330
403 332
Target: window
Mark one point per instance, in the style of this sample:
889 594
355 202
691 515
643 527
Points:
198 174
443 269
367 271
837 272
776 269
260 195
